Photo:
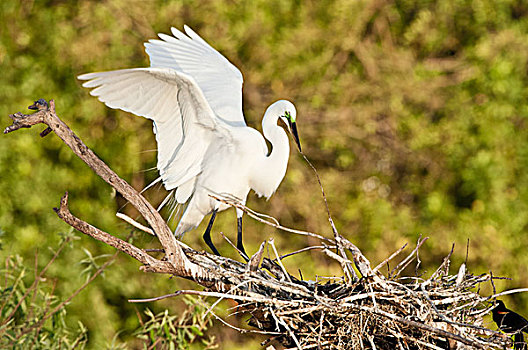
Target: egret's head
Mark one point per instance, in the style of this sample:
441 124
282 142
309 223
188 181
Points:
287 116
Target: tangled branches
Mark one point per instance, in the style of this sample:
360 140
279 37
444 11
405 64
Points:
442 312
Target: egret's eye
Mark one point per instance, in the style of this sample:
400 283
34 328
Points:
288 115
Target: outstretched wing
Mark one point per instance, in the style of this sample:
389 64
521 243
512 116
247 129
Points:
184 123
219 80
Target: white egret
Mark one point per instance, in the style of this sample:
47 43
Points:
193 95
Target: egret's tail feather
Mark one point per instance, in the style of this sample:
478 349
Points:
174 209
158 179
166 200
182 228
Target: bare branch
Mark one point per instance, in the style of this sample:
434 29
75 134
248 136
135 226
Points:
392 256
134 223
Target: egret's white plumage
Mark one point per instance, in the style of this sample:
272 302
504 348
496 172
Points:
193 95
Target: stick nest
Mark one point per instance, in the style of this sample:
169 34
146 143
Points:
374 312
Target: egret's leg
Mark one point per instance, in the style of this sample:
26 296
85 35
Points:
240 245
207 233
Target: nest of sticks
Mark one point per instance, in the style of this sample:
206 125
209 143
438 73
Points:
442 311
362 309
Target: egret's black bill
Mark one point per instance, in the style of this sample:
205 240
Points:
293 127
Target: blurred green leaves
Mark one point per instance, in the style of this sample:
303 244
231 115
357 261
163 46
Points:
178 332
414 113
26 317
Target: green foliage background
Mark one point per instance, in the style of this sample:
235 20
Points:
413 111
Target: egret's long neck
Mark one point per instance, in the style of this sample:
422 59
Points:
271 169
278 158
